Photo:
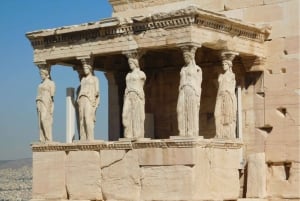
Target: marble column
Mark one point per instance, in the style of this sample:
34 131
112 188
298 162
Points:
113 107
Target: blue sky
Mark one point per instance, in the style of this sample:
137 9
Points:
20 77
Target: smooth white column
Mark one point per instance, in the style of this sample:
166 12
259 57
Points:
240 124
70 115
239 113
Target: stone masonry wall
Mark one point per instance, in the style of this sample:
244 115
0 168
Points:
208 171
271 119
271 106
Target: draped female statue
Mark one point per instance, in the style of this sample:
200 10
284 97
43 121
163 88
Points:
88 101
133 115
45 105
188 104
226 103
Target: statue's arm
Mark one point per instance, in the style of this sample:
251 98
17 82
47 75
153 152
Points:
97 91
52 90
143 75
182 79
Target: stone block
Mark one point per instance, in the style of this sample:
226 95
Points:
121 180
214 181
282 184
109 157
252 199
291 23
291 44
144 8
167 182
256 176
273 1
288 26
49 175
264 14
249 119
279 151
259 118
224 184
275 48
237 14
236 4
275 152
273 82
170 156
255 143
225 158
83 175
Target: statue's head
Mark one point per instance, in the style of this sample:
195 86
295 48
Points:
133 63
227 64
189 54
44 71
87 67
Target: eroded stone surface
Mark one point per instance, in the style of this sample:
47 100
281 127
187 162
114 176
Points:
213 180
167 182
171 156
108 157
121 180
256 179
83 175
49 175
283 180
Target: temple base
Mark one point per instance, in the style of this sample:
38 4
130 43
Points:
168 169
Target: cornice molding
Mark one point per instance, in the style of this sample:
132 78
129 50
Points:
112 27
129 145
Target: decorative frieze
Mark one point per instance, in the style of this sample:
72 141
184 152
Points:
112 27
129 145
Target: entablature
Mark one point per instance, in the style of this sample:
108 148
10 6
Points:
158 30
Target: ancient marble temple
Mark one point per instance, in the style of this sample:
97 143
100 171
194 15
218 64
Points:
194 112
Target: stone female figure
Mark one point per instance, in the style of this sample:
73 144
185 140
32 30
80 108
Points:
45 105
188 104
133 115
88 101
226 104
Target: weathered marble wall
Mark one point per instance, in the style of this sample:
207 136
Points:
147 170
271 106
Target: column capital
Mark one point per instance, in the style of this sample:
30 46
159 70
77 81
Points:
86 59
134 53
189 45
228 55
43 66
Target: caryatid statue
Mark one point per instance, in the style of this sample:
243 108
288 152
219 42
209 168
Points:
133 115
226 102
79 70
188 104
45 103
88 101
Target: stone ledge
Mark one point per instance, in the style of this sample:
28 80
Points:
129 145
